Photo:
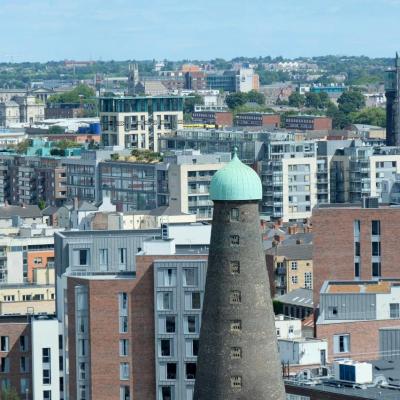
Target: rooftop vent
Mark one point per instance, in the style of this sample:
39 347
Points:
370 202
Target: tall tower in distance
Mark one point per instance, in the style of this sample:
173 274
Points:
133 78
392 86
238 353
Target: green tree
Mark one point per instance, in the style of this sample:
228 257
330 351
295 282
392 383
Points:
23 146
339 119
255 97
296 100
351 101
370 116
41 204
9 394
81 93
317 100
67 144
192 101
235 100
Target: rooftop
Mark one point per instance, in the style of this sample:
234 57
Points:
298 297
381 286
28 211
293 251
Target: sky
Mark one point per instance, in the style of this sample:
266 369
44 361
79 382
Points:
44 30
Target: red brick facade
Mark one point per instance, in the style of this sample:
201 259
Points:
364 338
14 328
334 243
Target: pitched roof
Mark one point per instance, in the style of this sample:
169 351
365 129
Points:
28 211
298 297
293 251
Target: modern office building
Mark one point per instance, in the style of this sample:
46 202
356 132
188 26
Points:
134 186
258 119
139 122
307 123
189 177
251 146
216 118
392 91
237 337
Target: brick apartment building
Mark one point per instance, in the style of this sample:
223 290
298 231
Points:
308 123
258 119
354 243
220 118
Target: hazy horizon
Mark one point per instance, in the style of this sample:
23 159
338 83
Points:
48 30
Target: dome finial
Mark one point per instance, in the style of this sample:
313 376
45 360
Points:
235 152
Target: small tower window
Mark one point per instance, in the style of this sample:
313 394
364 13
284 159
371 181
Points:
235 297
234 240
236 382
235 214
236 353
236 326
235 267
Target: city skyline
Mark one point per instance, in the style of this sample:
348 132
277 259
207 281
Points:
173 30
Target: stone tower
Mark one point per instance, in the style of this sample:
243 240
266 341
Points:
238 354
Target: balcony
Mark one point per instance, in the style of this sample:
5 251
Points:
281 270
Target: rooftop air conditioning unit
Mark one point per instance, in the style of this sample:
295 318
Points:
353 372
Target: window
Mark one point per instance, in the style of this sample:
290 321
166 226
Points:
103 257
294 279
164 301
122 258
170 324
46 394
4 364
124 393
23 343
357 249
171 370
167 277
124 371
190 277
236 326
394 310
191 324
165 347
82 323
81 257
356 269
376 248
341 343
24 384
193 300
82 347
166 393
195 347
45 355
235 267
357 228
293 265
278 332
4 343
46 377
123 303
332 311
190 370
376 227
24 364
38 260
9 298
235 240
82 370
82 392
308 280
376 269
290 329
236 353
123 324
235 297
236 382
123 347
235 214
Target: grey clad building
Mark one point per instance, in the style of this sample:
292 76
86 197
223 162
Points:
392 86
238 354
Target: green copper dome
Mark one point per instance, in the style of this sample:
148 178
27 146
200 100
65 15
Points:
236 181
